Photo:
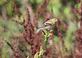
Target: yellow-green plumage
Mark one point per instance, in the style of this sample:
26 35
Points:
51 21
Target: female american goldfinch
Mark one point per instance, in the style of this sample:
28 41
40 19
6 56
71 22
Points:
48 25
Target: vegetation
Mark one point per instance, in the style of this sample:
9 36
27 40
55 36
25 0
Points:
40 28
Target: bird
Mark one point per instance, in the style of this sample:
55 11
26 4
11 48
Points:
48 25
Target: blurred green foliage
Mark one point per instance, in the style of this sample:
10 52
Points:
9 6
59 8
